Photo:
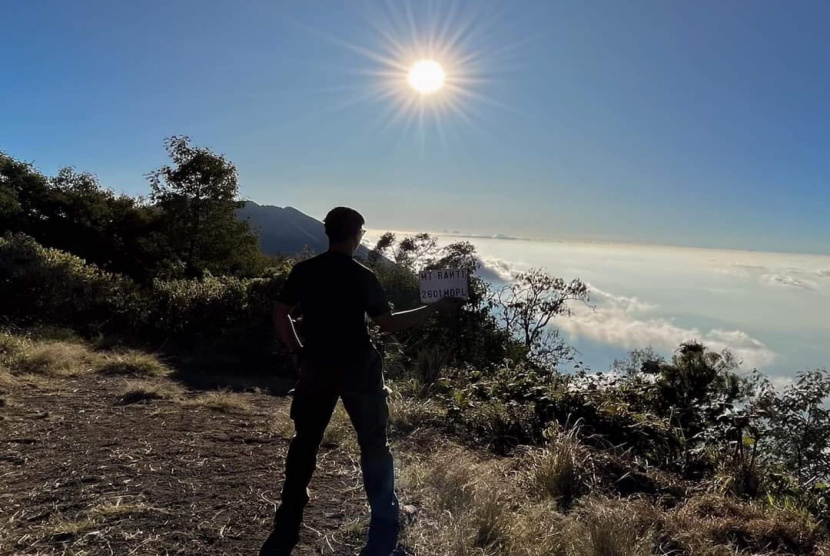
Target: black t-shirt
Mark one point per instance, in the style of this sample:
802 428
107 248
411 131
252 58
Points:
334 293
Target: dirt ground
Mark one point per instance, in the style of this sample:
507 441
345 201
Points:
82 473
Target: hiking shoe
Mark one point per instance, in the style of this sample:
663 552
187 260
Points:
279 544
383 539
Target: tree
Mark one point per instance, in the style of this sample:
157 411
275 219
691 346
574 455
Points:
412 252
198 199
382 248
73 212
695 389
638 361
527 306
796 426
470 337
23 192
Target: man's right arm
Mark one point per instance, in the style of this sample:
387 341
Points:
288 298
285 326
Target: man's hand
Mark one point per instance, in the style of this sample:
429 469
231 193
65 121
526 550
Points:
393 323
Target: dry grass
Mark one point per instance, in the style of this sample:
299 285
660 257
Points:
468 506
538 531
54 359
111 510
133 363
10 346
222 400
719 520
7 381
608 527
408 415
340 433
144 390
21 355
561 470
282 424
446 481
60 528
63 528
463 506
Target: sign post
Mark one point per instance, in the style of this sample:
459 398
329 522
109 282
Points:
436 284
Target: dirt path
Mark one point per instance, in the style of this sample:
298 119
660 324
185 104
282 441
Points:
81 473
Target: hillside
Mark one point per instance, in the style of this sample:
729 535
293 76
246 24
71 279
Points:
115 452
286 230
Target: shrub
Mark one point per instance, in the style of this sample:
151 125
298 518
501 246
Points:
44 288
562 470
795 426
408 415
47 286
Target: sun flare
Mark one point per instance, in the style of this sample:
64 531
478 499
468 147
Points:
428 66
426 76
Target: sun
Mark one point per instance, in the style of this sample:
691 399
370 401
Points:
429 65
426 77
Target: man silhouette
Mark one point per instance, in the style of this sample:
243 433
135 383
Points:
335 293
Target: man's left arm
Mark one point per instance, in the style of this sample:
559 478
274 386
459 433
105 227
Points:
379 311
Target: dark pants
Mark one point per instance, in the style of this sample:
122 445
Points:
358 381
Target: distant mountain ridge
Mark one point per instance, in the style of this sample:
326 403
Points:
286 230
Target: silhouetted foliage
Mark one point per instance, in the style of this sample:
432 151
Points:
46 286
197 197
527 305
471 337
74 213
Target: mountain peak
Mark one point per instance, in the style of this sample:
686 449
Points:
286 230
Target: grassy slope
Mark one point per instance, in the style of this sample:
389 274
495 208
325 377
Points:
104 452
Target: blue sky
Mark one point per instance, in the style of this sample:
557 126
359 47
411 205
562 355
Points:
687 123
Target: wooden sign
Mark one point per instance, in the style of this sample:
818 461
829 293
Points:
436 284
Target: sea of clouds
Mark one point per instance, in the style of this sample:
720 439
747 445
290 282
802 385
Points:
770 309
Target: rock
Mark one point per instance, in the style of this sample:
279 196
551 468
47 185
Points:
410 512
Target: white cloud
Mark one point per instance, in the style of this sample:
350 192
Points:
778 274
781 382
619 321
497 270
626 304
788 281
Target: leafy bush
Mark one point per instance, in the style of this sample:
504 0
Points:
39 285
795 426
